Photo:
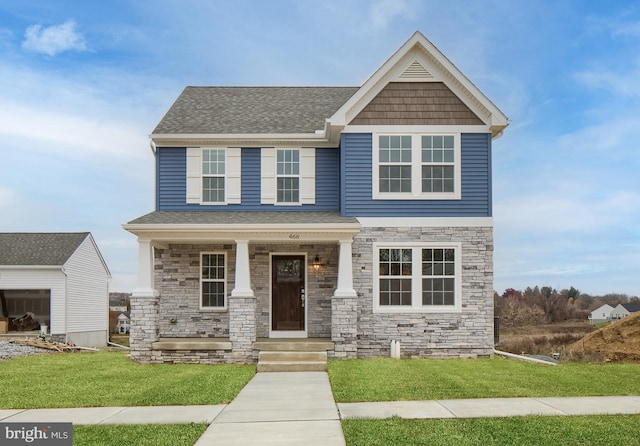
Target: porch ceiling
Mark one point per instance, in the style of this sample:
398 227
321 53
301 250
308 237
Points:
170 226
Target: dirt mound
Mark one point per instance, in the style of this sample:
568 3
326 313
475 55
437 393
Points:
616 342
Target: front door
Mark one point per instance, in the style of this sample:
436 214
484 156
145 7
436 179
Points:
287 293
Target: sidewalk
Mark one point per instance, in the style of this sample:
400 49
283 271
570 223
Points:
287 408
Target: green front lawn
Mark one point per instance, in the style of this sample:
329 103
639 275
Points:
102 379
386 379
138 435
619 430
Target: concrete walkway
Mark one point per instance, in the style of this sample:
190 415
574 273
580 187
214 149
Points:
279 408
287 408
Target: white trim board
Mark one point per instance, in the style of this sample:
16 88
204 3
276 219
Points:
432 222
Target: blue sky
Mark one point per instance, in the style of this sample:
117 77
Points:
83 84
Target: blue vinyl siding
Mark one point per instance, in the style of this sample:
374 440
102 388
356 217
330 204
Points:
356 196
171 174
171 171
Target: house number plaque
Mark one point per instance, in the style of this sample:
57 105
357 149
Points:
294 236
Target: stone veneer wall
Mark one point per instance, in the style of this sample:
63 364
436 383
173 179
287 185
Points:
144 331
465 334
177 278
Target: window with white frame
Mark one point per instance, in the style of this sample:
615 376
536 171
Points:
213 283
394 163
213 175
395 269
438 276
416 166
438 162
417 278
288 176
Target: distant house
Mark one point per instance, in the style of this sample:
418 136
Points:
624 310
124 322
61 279
118 302
601 314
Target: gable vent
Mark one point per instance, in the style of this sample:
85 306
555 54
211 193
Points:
416 71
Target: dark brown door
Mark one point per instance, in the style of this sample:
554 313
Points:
287 292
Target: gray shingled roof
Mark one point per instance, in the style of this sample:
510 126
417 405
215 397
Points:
631 308
21 248
240 217
252 110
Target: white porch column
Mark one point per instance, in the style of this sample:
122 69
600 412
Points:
345 271
145 316
144 285
242 308
242 287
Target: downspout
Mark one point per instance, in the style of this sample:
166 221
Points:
522 358
66 304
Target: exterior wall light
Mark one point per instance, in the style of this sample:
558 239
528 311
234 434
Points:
316 264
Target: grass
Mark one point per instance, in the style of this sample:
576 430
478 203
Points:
386 379
138 435
619 430
101 379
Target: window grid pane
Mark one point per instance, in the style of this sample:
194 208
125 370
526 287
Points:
288 190
213 189
213 280
395 178
437 178
438 272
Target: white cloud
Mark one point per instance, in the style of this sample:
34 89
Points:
75 134
623 82
385 11
54 39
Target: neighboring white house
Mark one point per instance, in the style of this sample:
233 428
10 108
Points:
59 277
623 310
124 323
601 314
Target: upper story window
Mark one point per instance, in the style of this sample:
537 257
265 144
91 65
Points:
213 175
416 166
288 176
438 163
395 163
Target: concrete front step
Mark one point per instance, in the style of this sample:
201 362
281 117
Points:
285 366
275 356
292 361
295 345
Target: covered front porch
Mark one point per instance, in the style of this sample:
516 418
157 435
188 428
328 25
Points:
281 276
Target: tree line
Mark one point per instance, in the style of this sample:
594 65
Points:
545 304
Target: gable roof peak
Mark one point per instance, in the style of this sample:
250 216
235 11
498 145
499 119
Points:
419 59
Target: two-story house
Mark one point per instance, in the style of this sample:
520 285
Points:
353 215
